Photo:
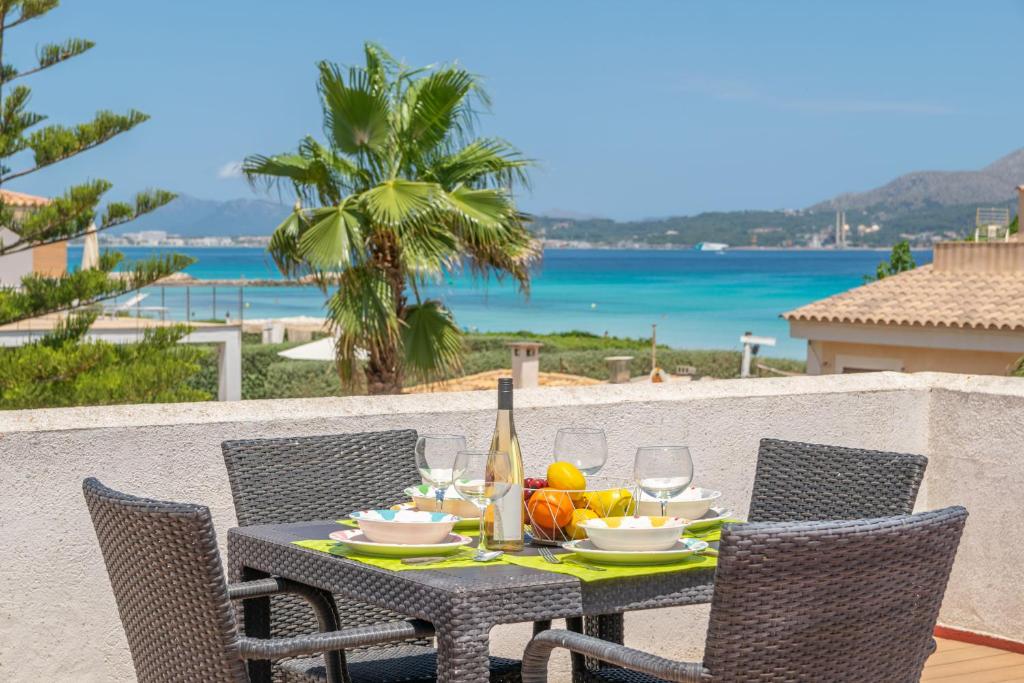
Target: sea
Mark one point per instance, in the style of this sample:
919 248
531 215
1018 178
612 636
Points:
698 300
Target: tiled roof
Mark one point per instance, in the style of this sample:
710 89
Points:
21 199
924 296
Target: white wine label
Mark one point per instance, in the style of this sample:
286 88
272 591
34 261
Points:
508 515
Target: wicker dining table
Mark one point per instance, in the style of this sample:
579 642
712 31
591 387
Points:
462 603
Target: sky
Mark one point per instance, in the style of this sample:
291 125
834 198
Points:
631 110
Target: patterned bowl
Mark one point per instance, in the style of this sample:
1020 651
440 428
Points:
404 527
636 534
693 503
424 499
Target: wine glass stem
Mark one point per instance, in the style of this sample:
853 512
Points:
480 544
664 507
439 495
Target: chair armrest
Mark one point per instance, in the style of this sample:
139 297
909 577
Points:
321 604
261 588
538 651
361 636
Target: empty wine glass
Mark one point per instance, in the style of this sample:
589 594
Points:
482 477
663 472
584 447
435 457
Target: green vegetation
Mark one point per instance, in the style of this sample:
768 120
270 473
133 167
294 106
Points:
62 368
267 375
400 192
900 260
769 228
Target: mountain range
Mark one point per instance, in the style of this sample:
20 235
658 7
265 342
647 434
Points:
193 217
993 184
918 203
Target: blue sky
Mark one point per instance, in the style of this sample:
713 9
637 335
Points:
631 109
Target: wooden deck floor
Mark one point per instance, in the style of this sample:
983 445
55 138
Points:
956 662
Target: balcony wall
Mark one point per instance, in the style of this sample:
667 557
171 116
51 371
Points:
58 620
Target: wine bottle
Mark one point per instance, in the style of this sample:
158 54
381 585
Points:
503 529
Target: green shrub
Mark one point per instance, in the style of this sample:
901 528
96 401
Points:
303 379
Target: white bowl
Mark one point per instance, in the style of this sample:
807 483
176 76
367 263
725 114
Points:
693 503
634 534
404 527
424 499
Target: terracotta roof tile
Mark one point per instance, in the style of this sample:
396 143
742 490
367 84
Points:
924 296
21 199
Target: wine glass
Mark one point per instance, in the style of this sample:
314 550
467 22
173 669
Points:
481 477
663 472
435 456
584 447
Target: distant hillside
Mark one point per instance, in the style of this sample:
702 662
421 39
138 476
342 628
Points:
922 205
993 184
192 217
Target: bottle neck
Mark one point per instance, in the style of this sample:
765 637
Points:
505 420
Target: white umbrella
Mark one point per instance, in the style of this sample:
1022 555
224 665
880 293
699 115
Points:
91 249
321 349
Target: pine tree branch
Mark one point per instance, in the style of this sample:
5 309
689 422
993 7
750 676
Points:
41 295
50 55
54 144
116 214
30 9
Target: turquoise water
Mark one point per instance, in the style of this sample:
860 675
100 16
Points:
697 299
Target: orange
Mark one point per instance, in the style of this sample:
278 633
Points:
566 476
550 509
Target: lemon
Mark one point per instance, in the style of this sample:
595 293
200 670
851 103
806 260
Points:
565 476
610 502
573 529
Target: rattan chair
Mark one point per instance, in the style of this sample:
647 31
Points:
176 606
803 481
298 479
847 601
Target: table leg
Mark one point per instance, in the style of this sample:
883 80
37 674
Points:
462 653
256 619
541 626
579 662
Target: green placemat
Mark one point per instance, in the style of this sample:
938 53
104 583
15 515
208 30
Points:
461 558
464 558
611 571
711 533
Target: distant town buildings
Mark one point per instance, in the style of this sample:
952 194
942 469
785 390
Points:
160 238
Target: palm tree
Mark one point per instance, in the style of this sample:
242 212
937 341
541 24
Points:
400 193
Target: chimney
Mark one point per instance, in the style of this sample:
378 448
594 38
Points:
525 364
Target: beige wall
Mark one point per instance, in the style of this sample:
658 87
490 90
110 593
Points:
50 260
58 589
828 356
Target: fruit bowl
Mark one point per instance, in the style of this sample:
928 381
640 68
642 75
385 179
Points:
555 515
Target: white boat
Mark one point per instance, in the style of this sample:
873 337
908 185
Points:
711 246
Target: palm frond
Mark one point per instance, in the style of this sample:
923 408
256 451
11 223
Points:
335 239
435 108
394 202
431 342
362 315
356 113
484 162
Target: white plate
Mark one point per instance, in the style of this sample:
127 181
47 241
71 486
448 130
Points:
683 548
356 540
712 515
